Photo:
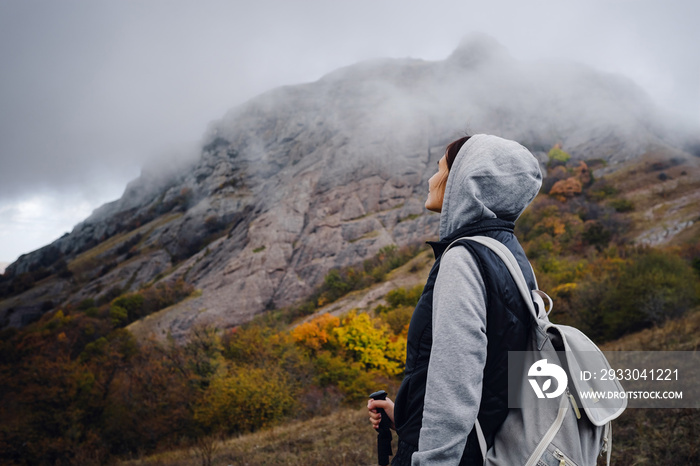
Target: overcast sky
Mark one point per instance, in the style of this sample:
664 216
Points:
90 90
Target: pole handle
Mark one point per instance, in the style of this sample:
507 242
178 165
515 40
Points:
383 432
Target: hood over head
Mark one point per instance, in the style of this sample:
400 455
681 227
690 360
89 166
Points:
491 177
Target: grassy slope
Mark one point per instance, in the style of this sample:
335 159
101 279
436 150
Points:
665 195
53 288
341 438
659 436
85 259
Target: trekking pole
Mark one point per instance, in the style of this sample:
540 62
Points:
383 432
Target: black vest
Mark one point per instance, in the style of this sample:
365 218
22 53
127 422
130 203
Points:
507 328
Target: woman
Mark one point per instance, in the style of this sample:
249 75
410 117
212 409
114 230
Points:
470 313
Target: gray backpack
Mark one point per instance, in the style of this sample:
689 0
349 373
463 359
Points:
559 427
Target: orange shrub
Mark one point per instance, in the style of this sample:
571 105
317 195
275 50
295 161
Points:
316 334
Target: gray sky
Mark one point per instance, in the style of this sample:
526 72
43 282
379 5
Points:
91 90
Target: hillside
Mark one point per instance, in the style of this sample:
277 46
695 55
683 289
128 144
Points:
309 178
345 436
103 381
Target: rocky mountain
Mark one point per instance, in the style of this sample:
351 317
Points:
306 178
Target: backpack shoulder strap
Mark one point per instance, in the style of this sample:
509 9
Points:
482 439
511 263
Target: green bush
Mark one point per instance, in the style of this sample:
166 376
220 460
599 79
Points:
402 297
622 205
133 303
645 290
353 381
335 286
249 344
398 318
602 190
243 400
557 157
147 301
595 234
118 315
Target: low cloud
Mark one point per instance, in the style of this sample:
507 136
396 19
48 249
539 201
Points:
90 92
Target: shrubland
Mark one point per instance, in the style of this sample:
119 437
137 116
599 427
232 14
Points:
78 388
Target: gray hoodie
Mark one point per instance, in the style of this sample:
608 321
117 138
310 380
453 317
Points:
491 177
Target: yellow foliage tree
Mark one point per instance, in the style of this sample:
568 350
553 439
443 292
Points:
370 342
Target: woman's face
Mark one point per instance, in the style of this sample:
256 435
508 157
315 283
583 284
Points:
436 187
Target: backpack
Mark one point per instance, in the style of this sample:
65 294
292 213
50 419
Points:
551 428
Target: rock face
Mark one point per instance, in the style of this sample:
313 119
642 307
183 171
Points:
305 178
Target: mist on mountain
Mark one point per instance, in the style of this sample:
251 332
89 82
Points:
310 177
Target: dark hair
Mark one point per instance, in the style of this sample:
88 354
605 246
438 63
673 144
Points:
453 149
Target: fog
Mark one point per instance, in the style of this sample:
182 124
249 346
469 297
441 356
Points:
92 91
